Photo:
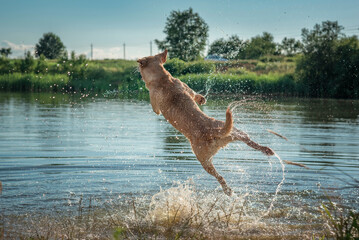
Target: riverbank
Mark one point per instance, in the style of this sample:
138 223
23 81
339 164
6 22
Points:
273 76
238 77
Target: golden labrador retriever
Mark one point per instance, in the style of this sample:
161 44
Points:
178 104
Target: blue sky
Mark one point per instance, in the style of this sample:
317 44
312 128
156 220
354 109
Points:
109 23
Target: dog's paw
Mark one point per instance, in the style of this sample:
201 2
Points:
227 190
200 99
268 151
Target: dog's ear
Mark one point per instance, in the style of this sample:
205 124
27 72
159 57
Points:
163 56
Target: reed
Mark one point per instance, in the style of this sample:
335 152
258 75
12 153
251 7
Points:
33 82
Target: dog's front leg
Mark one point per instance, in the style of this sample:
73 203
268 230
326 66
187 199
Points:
154 103
198 98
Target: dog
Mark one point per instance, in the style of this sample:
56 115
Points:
178 103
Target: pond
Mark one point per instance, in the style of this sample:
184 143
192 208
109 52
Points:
58 150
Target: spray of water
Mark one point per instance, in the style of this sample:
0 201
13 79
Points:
279 186
208 86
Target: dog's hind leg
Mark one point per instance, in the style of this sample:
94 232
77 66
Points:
204 152
242 136
209 167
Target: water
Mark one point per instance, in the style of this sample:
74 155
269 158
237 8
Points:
57 151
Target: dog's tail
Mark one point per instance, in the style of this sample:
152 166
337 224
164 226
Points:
228 125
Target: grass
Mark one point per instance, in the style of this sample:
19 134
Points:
236 77
246 83
343 225
33 82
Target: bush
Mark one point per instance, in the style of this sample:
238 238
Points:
6 65
178 67
41 66
33 82
198 67
247 83
175 66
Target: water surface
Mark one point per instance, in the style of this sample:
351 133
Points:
56 149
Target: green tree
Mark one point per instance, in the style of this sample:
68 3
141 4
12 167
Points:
75 67
233 48
6 65
329 66
27 64
5 52
260 46
290 46
50 45
41 66
187 34
346 68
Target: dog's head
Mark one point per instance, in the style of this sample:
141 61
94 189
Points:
151 66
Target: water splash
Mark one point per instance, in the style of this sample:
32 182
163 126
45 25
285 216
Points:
173 205
279 186
182 204
208 86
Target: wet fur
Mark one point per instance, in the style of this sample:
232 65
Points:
178 104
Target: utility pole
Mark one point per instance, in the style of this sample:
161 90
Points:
124 51
91 52
150 48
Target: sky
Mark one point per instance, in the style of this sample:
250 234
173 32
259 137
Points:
109 24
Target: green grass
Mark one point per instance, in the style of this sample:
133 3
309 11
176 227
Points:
247 83
33 82
234 77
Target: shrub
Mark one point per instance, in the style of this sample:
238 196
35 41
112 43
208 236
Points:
33 82
175 66
247 83
178 67
199 67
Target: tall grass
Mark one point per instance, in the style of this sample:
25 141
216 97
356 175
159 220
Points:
237 77
33 82
248 83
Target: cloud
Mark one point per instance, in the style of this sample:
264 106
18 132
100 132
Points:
17 49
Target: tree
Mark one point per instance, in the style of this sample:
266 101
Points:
347 68
329 66
233 48
290 46
41 66
75 67
186 36
50 45
27 64
260 46
5 52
